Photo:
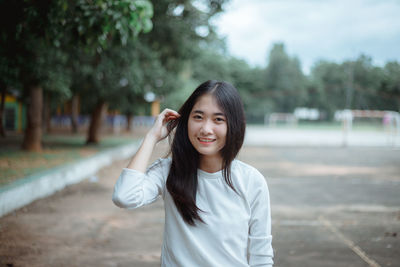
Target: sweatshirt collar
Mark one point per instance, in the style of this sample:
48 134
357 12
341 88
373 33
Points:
208 175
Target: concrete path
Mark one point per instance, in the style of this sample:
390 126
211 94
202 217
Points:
331 206
260 135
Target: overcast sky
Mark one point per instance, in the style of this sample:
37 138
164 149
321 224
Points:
335 30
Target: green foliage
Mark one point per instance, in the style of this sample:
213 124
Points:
281 86
175 99
211 66
327 87
284 80
163 56
95 24
102 36
45 42
91 48
353 85
95 48
390 83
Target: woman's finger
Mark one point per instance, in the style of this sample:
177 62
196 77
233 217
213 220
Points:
170 111
169 114
173 115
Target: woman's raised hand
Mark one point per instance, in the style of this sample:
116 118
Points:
159 130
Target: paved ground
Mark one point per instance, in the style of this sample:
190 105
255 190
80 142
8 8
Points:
330 207
260 135
333 206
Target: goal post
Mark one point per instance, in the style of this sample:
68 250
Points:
274 118
390 121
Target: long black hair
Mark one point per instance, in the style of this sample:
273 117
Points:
182 178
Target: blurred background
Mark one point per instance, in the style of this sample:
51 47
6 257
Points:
320 82
83 65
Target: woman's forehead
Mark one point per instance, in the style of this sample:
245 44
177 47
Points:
207 104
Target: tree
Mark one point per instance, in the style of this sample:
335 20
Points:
210 65
213 63
356 84
284 79
44 28
327 87
28 41
152 62
143 73
362 83
8 73
389 86
180 29
99 29
162 59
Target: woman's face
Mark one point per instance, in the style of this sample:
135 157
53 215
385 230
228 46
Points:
207 127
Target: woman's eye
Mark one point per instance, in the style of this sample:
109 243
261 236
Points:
219 119
197 117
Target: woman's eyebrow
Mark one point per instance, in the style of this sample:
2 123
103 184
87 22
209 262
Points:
215 114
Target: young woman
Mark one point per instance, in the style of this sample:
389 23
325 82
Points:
217 210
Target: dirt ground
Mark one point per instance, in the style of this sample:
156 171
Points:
330 207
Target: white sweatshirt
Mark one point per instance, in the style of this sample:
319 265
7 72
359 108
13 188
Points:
238 227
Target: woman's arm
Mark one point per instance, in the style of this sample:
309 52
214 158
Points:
134 187
158 132
260 252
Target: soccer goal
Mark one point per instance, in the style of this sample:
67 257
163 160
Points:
390 121
274 119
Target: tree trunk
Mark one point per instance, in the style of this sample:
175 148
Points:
95 123
33 133
47 113
3 100
129 122
74 113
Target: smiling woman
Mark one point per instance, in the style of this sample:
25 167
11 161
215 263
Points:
203 176
207 129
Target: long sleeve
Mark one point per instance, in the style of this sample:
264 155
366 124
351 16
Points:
134 189
260 252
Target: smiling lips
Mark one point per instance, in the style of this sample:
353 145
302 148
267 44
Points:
203 140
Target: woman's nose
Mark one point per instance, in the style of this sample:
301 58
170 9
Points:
206 127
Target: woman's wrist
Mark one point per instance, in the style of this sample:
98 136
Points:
151 138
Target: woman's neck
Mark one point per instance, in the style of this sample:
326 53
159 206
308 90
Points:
210 164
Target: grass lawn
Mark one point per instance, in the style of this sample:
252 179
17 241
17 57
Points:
58 149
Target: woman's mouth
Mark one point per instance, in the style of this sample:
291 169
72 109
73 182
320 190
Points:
203 140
